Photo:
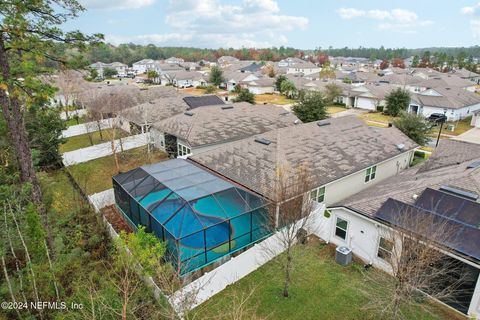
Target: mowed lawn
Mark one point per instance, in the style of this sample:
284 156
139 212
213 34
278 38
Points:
73 122
335 109
272 99
376 118
82 141
96 175
459 127
321 289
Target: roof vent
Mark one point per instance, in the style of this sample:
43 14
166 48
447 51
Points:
151 102
227 107
284 113
461 193
323 123
474 165
296 121
263 141
188 113
400 146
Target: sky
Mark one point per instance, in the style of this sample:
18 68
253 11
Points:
302 24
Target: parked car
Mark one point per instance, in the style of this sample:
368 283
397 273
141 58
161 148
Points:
437 117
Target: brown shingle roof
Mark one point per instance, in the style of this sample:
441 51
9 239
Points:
214 124
330 152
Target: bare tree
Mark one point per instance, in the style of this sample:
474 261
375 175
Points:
415 250
69 84
291 215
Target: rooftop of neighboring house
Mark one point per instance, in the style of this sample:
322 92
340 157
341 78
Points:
210 125
303 65
185 75
201 101
378 90
329 149
464 73
100 64
449 98
254 67
448 166
157 109
144 61
262 82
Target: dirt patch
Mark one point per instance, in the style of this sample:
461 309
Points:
115 219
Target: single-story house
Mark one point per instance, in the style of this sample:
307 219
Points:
226 60
174 60
121 68
234 78
467 74
306 68
186 79
260 86
209 127
342 155
455 103
447 185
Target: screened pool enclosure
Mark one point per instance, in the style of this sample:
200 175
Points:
201 216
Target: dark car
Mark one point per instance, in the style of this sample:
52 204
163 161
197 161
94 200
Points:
437 117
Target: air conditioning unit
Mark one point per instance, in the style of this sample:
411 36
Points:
343 255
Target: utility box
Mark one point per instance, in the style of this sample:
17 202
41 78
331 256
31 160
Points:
343 255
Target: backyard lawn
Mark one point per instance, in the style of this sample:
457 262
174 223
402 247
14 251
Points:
459 127
376 118
335 109
273 99
321 289
82 141
73 122
96 175
193 91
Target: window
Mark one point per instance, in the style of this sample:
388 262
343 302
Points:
370 173
183 150
341 228
385 248
318 194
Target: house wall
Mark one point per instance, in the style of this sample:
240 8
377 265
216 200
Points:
158 139
452 114
354 183
184 83
476 120
139 68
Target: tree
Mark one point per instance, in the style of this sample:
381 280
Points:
414 248
153 75
311 107
109 72
288 88
413 126
245 95
384 64
93 74
216 76
415 61
29 36
398 63
396 101
332 92
44 127
278 82
291 216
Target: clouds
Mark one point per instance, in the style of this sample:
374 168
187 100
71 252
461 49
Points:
116 4
209 23
474 21
400 20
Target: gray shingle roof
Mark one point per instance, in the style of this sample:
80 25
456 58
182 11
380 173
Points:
213 124
330 152
447 166
451 98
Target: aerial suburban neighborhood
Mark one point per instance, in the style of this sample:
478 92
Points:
252 160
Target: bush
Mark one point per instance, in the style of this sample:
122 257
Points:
311 107
397 101
380 108
413 126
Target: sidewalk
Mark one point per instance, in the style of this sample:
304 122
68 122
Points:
102 150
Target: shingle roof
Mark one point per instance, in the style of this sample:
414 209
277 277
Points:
217 124
201 101
451 98
447 166
332 151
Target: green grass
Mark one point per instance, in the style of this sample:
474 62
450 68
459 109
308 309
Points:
376 118
459 127
321 289
273 99
335 109
96 175
72 122
82 141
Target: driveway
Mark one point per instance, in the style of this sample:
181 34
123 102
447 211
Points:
472 135
102 150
